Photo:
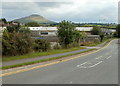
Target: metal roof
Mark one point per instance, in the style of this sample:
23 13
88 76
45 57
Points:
84 28
108 30
43 28
55 28
93 36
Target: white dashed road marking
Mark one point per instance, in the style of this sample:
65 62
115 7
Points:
108 57
98 57
82 64
96 64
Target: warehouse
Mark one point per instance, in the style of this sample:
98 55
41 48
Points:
52 31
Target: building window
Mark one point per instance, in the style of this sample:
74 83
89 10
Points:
44 33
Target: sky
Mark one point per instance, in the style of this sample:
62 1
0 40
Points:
92 11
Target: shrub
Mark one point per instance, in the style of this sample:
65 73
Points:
86 43
16 43
74 44
41 45
96 41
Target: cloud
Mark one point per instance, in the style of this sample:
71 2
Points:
73 10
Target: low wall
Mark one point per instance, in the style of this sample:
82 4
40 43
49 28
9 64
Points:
95 38
55 38
49 38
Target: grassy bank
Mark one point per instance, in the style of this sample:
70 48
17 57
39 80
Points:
43 60
37 54
96 44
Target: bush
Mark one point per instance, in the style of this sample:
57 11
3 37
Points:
96 41
86 43
41 45
16 43
74 44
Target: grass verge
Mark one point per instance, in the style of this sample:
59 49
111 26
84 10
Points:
38 54
43 60
95 44
107 42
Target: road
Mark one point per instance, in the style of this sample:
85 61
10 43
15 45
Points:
96 68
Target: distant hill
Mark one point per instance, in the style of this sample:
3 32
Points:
34 18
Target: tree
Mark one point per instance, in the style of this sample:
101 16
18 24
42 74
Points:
118 30
83 35
101 36
96 30
77 36
13 28
32 24
4 20
25 30
66 33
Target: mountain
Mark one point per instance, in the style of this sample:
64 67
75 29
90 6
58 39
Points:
34 18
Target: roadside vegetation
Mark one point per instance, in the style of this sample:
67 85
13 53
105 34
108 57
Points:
67 34
98 31
49 59
91 44
17 42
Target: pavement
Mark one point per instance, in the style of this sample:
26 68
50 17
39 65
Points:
100 67
14 62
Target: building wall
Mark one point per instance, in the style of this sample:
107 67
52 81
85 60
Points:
95 38
52 31
49 38
50 34
36 33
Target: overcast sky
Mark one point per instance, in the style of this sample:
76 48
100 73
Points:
72 10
